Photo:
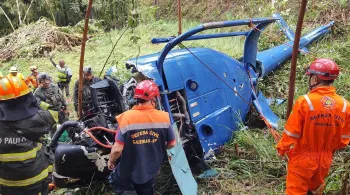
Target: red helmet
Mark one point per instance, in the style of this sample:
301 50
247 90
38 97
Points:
146 90
325 69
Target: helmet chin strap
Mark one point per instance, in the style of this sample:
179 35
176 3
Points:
154 102
311 87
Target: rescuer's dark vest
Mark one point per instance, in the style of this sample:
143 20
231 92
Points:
87 99
23 160
51 95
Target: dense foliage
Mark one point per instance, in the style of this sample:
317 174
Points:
114 13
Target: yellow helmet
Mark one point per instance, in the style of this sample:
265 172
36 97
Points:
33 68
12 88
13 69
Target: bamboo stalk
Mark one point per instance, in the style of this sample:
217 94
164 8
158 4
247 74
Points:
30 5
19 13
53 17
8 19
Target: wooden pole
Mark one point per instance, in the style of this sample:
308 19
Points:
295 56
156 3
86 27
179 15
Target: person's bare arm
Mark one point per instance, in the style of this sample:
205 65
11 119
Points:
171 145
53 63
170 138
115 154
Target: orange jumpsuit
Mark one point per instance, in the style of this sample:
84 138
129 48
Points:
318 126
32 80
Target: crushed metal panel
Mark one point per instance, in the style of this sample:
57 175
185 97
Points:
216 129
180 167
262 105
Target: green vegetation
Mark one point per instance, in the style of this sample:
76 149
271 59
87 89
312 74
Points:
257 169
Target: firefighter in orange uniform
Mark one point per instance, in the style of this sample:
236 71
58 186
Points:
32 79
318 126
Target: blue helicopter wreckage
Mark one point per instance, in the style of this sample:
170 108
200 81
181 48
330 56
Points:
206 92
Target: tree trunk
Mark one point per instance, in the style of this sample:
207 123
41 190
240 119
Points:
8 19
19 13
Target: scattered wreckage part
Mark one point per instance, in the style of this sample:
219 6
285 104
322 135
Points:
275 101
180 167
210 173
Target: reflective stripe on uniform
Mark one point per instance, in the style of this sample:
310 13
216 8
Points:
3 85
345 136
345 105
24 91
6 97
21 156
144 126
54 115
291 134
26 182
309 102
43 105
